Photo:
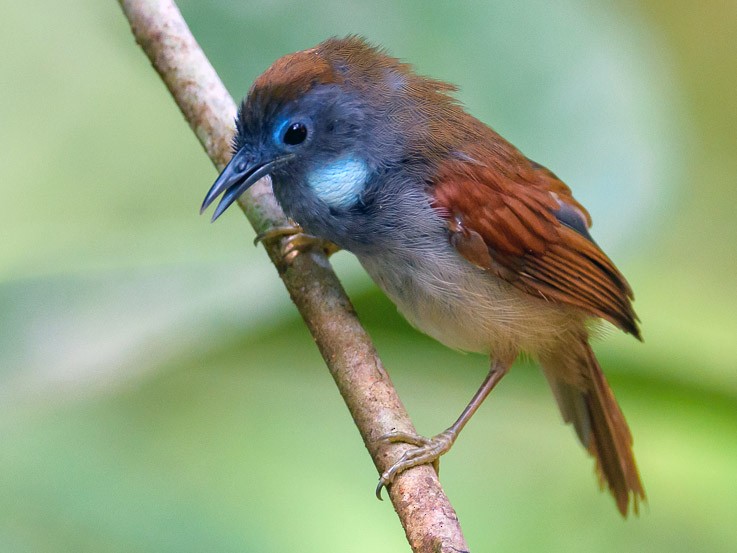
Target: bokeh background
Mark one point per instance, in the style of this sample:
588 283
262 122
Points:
157 390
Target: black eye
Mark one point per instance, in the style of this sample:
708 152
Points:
296 134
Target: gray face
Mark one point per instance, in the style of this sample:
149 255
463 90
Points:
322 137
337 162
308 145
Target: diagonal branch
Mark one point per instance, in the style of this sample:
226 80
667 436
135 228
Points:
427 516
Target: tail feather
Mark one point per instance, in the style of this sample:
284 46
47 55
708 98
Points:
600 425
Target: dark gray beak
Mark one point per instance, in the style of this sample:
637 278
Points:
237 177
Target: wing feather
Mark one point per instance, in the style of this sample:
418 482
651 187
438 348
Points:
502 217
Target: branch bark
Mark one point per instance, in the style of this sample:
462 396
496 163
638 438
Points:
429 520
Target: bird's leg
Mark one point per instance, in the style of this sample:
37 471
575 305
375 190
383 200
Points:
429 450
297 242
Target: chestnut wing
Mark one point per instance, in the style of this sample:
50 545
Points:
520 222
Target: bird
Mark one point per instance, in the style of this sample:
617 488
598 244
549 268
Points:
478 246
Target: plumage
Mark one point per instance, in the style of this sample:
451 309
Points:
512 207
478 246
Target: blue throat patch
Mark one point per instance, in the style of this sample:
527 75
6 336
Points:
339 183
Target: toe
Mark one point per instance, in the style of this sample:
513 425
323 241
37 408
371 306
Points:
404 437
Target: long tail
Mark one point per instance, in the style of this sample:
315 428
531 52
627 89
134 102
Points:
590 406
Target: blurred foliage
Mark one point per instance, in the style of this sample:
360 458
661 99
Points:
157 392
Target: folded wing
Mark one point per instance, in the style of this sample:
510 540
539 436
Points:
516 219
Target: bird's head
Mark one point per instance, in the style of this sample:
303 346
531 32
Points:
323 122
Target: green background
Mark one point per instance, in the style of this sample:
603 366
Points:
157 390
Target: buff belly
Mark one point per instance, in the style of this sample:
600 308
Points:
469 309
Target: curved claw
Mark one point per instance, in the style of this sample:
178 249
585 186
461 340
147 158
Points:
277 232
405 438
426 450
297 241
384 481
381 485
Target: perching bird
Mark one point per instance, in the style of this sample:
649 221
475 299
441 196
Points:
477 245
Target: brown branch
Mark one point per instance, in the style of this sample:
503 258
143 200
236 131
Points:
426 514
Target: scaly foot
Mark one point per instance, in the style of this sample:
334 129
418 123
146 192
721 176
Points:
298 242
426 450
